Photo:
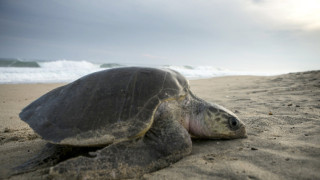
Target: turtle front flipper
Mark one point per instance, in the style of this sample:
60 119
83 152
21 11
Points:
166 142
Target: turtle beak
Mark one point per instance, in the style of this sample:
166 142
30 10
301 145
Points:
241 132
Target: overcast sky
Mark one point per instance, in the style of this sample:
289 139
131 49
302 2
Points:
237 34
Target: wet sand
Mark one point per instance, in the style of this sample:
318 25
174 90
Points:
282 115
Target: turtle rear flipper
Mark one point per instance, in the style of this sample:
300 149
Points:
166 142
51 155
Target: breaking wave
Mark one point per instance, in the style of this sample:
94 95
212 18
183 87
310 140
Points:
19 71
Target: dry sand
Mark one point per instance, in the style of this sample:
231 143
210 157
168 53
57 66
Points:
282 114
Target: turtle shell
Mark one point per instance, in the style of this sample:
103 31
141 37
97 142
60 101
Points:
103 107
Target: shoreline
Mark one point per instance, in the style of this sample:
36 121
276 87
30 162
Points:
63 71
190 79
282 115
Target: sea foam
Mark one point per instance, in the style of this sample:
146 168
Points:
62 71
49 72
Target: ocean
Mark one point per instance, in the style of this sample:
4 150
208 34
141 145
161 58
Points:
15 71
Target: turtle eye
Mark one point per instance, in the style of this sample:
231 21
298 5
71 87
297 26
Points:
233 123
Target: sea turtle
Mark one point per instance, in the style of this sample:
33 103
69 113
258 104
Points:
123 123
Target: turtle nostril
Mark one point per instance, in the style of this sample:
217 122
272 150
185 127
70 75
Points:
234 123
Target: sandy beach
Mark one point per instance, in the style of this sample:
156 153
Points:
282 115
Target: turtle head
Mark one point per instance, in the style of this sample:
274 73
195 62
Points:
216 122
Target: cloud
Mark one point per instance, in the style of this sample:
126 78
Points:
288 14
214 32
